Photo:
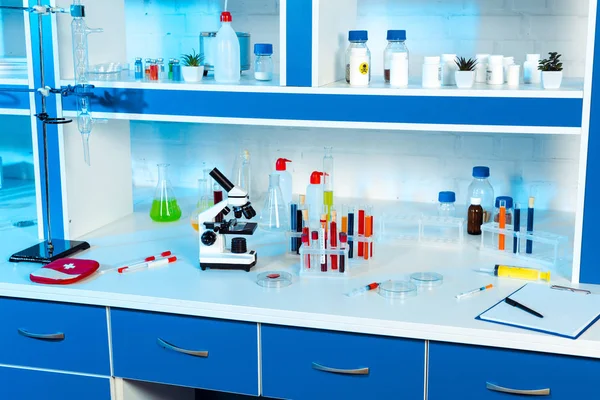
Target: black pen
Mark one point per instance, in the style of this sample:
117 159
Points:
513 303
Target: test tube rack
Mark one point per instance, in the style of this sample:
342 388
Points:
318 262
427 230
356 240
548 248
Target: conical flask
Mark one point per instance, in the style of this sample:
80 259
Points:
164 204
274 215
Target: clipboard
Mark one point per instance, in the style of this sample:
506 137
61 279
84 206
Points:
566 314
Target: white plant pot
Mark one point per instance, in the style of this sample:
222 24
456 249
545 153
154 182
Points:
192 74
552 79
464 79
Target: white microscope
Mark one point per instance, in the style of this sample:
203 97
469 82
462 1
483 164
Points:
213 251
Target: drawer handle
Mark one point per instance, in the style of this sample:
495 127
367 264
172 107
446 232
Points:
169 346
357 371
55 337
496 388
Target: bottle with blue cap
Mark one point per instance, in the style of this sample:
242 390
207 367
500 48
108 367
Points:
482 189
263 63
508 201
396 44
358 59
446 207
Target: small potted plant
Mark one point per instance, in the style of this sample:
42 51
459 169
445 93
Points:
551 71
193 67
465 76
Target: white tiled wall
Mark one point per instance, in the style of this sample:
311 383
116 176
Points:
466 27
169 28
408 166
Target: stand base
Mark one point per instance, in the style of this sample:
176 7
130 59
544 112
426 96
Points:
40 253
231 266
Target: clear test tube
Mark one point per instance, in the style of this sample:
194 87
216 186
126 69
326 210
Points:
328 180
351 212
369 228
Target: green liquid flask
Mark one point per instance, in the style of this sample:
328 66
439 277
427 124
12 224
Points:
164 204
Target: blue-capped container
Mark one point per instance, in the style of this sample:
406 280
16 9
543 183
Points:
508 203
176 71
481 188
263 62
358 52
446 207
139 69
396 44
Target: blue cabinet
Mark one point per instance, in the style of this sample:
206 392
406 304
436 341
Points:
310 364
185 351
456 371
24 384
58 336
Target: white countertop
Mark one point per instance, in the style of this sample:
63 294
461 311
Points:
182 288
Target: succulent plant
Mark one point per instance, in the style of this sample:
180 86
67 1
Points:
192 59
465 64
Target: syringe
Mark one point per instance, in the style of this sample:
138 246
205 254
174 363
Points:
507 271
363 289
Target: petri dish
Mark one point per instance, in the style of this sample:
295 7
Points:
426 280
397 289
274 279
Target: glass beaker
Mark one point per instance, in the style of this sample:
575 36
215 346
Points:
164 204
205 201
274 215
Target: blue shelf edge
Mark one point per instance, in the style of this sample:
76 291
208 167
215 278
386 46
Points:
487 111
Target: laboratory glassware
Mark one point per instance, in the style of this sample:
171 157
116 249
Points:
164 204
446 207
285 179
176 71
396 44
170 72
274 279
263 63
475 217
328 180
358 59
80 32
397 289
139 69
481 188
274 215
449 69
241 173
147 64
399 70
205 201
161 68
531 73
227 58
427 280
314 198
509 208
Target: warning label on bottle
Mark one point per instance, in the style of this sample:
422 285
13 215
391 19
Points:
364 68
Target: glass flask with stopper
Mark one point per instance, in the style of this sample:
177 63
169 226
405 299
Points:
164 204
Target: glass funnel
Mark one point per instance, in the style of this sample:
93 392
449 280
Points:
164 204
274 215
205 201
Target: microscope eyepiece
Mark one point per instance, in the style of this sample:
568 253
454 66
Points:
221 179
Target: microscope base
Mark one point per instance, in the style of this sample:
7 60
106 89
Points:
244 263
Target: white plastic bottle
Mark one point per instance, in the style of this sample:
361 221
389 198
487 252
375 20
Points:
531 73
449 67
314 198
227 57
495 71
285 179
481 68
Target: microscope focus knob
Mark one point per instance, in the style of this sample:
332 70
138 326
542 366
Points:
208 238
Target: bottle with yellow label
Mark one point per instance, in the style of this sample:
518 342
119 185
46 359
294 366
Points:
529 274
358 59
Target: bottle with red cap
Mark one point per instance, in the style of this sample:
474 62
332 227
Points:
314 198
227 57
285 179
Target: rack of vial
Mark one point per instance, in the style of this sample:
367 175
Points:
423 229
542 247
325 262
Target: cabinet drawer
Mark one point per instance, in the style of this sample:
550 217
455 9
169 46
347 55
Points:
59 336
461 371
185 351
312 364
23 384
